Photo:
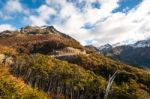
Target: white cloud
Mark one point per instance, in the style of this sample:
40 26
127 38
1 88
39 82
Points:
121 27
44 13
71 19
35 20
109 27
13 6
76 19
4 27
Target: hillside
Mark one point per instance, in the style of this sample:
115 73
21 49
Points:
14 88
59 67
37 40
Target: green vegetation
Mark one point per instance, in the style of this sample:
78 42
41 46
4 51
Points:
59 77
13 88
87 79
7 50
130 82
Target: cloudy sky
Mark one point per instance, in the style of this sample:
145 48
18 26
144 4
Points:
89 21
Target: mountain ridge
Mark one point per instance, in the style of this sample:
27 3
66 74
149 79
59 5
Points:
133 54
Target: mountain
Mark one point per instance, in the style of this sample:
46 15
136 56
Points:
142 43
56 66
105 48
137 54
33 39
91 48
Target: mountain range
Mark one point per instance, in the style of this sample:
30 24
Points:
43 63
136 54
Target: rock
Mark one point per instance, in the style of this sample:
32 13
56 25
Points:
5 60
2 57
9 61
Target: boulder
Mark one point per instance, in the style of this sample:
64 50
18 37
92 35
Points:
2 57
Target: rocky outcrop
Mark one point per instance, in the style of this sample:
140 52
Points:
6 60
2 57
68 51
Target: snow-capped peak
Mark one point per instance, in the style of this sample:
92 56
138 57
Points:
142 43
106 46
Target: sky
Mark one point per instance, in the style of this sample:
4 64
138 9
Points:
92 22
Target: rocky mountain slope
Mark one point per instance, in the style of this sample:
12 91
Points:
57 66
137 54
32 39
91 48
105 48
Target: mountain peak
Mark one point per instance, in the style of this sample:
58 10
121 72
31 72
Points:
106 46
31 30
142 43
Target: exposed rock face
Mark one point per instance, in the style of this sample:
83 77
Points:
5 60
68 51
2 57
9 61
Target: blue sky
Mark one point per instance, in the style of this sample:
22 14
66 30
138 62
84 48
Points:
90 21
126 5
